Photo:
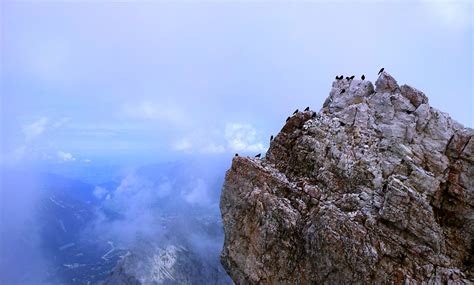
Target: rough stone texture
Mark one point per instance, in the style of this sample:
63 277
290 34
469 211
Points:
377 188
169 265
415 96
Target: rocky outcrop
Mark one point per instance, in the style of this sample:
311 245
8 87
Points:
376 188
166 265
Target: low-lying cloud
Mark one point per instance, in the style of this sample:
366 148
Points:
243 137
140 204
34 129
234 137
65 156
22 260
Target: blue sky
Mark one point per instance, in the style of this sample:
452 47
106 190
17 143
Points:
84 81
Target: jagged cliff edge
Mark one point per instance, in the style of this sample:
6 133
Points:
377 187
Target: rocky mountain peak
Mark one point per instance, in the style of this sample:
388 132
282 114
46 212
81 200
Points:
377 187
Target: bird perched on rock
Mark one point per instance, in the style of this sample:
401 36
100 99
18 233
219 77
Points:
381 70
271 137
296 111
307 109
236 154
258 155
362 77
287 119
352 77
342 91
347 78
337 77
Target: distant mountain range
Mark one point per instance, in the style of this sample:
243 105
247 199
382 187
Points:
160 224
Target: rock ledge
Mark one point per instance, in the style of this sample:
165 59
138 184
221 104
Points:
377 187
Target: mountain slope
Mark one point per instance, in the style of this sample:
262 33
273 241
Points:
176 228
375 188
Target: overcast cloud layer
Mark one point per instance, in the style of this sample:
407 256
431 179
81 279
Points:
83 80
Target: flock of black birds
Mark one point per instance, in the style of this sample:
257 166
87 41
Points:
352 77
314 114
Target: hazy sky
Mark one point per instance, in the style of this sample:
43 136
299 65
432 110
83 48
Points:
83 80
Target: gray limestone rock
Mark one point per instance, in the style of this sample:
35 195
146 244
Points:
377 188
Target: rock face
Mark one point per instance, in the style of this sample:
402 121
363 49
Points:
376 188
185 252
166 265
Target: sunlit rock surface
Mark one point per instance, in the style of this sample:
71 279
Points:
376 188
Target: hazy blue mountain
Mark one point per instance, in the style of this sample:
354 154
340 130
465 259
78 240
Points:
59 210
79 232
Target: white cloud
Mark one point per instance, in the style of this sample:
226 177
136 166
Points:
150 110
235 137
242 137
183 144
137 186
100 192
197 195
65 156
31 133
134 199
34 129
213 148
199 141
38 127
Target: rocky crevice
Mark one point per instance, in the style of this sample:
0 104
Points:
377 187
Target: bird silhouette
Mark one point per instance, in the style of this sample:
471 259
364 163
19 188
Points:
342 91
307 109
337 77
352 77
296 111
381 70
347 78
236 154
258 155
314 115
362 77
271 137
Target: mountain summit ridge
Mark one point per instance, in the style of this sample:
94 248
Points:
374 188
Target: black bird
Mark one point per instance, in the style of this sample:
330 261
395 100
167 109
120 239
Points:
342 91
352 77
314 115
258 155
381 70
337 77
271 137
307 109
347 77
296 111
287 119
236 154
362 77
